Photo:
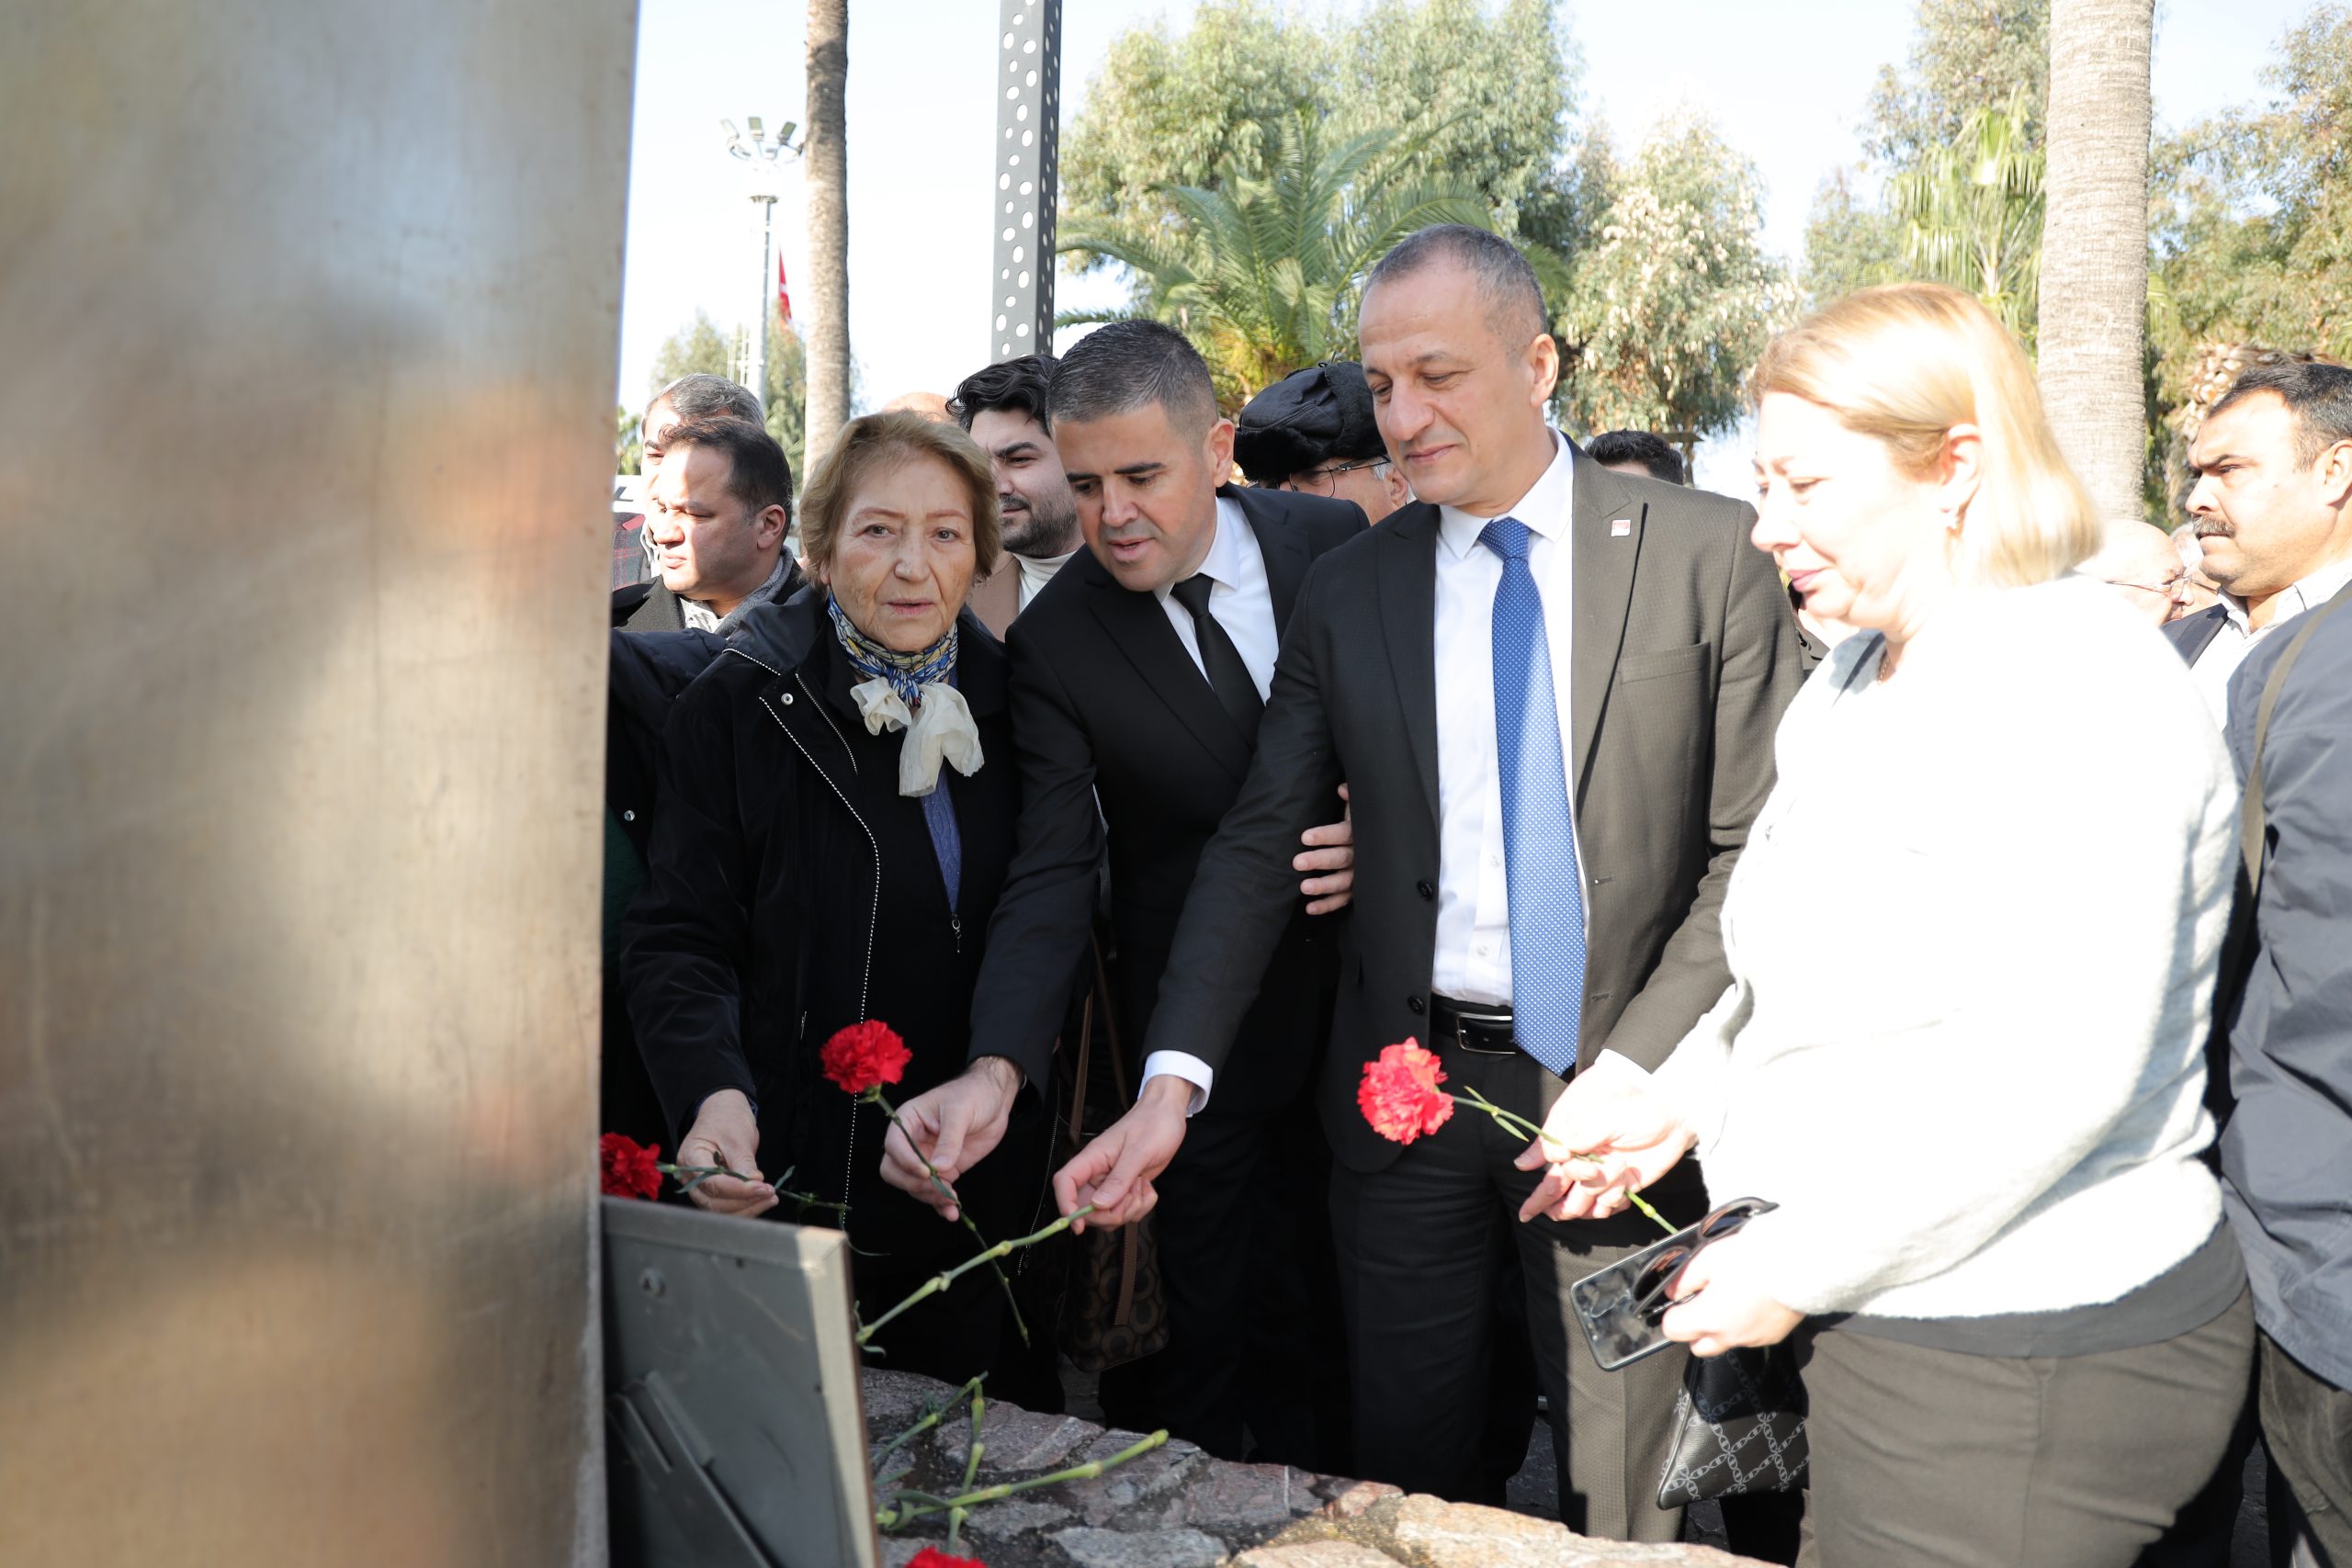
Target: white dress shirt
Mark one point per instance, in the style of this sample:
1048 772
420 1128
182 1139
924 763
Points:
1473 958
2236 637
1243 603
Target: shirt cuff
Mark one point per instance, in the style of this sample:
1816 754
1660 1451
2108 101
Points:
1182 1064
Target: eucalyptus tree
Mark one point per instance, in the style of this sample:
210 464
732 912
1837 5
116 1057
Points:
1676 297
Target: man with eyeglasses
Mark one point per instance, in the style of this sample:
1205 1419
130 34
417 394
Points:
2140 563
1313 432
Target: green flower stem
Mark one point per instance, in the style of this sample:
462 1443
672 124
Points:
702 1173
939 1282
949 1192
1511 1121
915 1507
971 1471
969 1391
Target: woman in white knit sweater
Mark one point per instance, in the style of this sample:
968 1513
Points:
1975 1090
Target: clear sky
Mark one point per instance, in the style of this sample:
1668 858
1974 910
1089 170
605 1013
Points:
1786 83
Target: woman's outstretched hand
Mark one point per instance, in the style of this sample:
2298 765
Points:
1611 1132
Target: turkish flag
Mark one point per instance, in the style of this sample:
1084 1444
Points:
783 294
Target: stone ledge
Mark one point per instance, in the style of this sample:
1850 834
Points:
1176 1508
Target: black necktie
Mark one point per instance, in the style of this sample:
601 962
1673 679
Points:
1228 676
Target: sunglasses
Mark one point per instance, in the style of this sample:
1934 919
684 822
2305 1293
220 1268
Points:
1622 1307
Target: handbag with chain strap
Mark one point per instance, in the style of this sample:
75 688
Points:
1738 1427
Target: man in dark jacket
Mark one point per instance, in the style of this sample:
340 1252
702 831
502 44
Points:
2287 1150
717 521
730 488
648 671
1138 675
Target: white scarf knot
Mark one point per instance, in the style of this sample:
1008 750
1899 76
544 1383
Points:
939 730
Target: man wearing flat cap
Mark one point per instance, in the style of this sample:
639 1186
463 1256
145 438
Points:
1313 431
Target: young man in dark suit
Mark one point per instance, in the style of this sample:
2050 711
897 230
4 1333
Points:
1552 690
1139 674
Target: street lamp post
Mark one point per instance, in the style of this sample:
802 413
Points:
761 155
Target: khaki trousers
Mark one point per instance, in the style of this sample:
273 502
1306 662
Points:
1923 1457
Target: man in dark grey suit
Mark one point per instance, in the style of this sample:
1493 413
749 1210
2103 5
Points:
2287 1148
1427 664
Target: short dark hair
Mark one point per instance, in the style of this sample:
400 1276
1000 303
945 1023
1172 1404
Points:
2318 395
1122 366
1514 299
1651 451
1010 386
758 473
701 394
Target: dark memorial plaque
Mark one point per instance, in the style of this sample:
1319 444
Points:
736 1435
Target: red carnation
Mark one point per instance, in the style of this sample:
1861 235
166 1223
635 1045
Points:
931 1557
866 1055
1399 1094
628 1166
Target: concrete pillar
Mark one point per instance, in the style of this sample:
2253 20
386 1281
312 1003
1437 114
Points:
310 310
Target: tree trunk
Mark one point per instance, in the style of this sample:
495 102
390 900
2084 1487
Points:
826 339
2095 243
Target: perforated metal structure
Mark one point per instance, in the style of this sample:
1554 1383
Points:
1029 71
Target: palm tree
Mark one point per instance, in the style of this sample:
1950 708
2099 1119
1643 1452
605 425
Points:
1972 213
828 176
1261 273
2094 275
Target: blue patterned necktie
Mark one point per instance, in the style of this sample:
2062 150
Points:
1538 836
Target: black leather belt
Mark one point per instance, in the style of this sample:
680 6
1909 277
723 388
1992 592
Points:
1480 1028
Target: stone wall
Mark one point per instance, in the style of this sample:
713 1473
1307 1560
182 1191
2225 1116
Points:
1176 1508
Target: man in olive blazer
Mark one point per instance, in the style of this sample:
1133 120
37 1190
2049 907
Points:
1680 655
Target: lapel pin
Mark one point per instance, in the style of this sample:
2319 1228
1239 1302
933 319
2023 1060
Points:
1620 527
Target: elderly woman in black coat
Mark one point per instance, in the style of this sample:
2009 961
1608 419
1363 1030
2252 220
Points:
835 823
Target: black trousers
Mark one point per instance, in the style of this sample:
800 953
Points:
1419 1269
1254 1368
2307 1426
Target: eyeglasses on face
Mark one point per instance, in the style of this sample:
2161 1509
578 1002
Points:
1322 481
2175 589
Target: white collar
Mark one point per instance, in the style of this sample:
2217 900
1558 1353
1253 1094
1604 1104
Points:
2308 595
1038 570
1545 508
1222 565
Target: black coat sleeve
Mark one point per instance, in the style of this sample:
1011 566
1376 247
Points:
1046 916
1246 890
689 934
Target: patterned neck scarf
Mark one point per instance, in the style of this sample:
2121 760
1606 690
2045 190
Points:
911 692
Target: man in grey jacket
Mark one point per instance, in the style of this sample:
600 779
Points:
2287 1152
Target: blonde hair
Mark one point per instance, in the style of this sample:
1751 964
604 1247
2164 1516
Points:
1903 363
877 442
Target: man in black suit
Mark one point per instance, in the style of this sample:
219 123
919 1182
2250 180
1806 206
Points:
1139 674
1544 855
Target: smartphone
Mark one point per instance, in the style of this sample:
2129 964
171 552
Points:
1622 1307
